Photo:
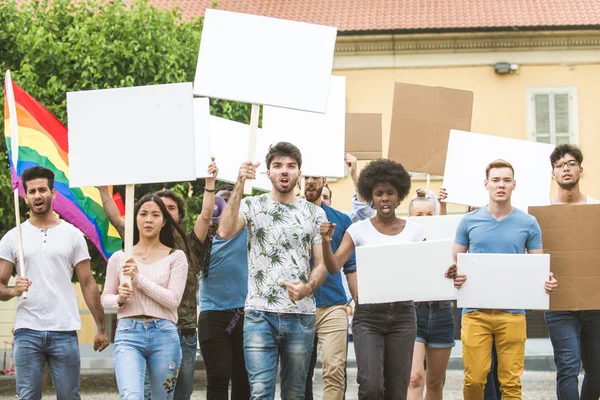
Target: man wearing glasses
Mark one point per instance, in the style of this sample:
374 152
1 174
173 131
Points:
575 335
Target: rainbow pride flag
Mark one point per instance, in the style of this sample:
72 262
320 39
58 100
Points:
42 140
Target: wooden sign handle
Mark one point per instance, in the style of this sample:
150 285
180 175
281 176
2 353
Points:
129 223
19 238
252 143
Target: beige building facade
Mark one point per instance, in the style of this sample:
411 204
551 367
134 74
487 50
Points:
550 97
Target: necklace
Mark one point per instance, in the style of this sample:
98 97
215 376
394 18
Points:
148 256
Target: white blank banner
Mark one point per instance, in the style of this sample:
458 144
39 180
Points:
202 136
406 271
268 61
320 137
438 227
229 144
131 135
470 153
504 281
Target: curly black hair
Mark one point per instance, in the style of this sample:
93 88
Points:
564 149
380 172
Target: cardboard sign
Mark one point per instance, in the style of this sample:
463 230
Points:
320 137
422 117
229 146
438 227
504 281
470 153
364 135
406 271
131 135
570 236
261 60
202 136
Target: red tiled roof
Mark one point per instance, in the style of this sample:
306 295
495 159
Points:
406 15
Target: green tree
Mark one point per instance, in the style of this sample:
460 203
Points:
53 47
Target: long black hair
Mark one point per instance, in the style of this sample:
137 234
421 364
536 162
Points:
167 233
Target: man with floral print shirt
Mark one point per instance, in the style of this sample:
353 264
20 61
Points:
283 235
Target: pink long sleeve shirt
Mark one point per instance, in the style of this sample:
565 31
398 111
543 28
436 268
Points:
157 288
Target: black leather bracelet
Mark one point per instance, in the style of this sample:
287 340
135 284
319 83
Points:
209 190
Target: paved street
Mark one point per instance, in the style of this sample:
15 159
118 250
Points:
536 386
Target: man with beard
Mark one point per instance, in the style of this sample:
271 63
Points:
575 335
332 320
283 236
47 322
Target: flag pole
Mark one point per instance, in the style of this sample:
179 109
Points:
14 144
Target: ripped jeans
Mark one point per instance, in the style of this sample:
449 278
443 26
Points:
150 344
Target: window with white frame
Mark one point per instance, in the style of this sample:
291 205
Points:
552 115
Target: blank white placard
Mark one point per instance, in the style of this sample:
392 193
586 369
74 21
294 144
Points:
202 136
131 135
504 281
229 145
438 227
267 61
405 271
321 138
470 153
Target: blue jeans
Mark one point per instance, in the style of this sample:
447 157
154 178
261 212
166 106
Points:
150 344
435 324
269 337
185 381
575 337
61 349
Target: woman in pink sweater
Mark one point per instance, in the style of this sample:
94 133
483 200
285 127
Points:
146 336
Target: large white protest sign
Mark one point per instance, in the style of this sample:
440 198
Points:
320 137
406 271
504 281
202 136
131 135
438 227
128 136
229 146
470 153
267 61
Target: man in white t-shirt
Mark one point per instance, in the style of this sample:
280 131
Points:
283 235
47 321
575 335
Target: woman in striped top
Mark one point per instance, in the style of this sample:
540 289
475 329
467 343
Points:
146 335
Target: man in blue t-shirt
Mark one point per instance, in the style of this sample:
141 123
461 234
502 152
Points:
331 329
497 228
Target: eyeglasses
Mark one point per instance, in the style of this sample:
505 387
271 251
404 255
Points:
570 163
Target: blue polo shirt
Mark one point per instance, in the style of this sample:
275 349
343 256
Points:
514 234
331 292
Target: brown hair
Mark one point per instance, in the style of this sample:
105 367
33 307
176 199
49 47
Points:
283 149
498 164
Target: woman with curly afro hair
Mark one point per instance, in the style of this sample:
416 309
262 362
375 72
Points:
384 334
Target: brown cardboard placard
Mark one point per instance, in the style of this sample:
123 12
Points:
422 117
363 135
570 236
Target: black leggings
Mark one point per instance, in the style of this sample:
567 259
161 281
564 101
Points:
223 354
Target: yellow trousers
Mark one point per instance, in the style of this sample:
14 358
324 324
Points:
479 330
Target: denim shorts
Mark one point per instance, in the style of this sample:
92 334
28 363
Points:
435 324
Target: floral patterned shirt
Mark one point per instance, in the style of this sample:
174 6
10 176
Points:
280 239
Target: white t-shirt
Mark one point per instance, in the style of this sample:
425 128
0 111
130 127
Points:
363 233
50 259
588 200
